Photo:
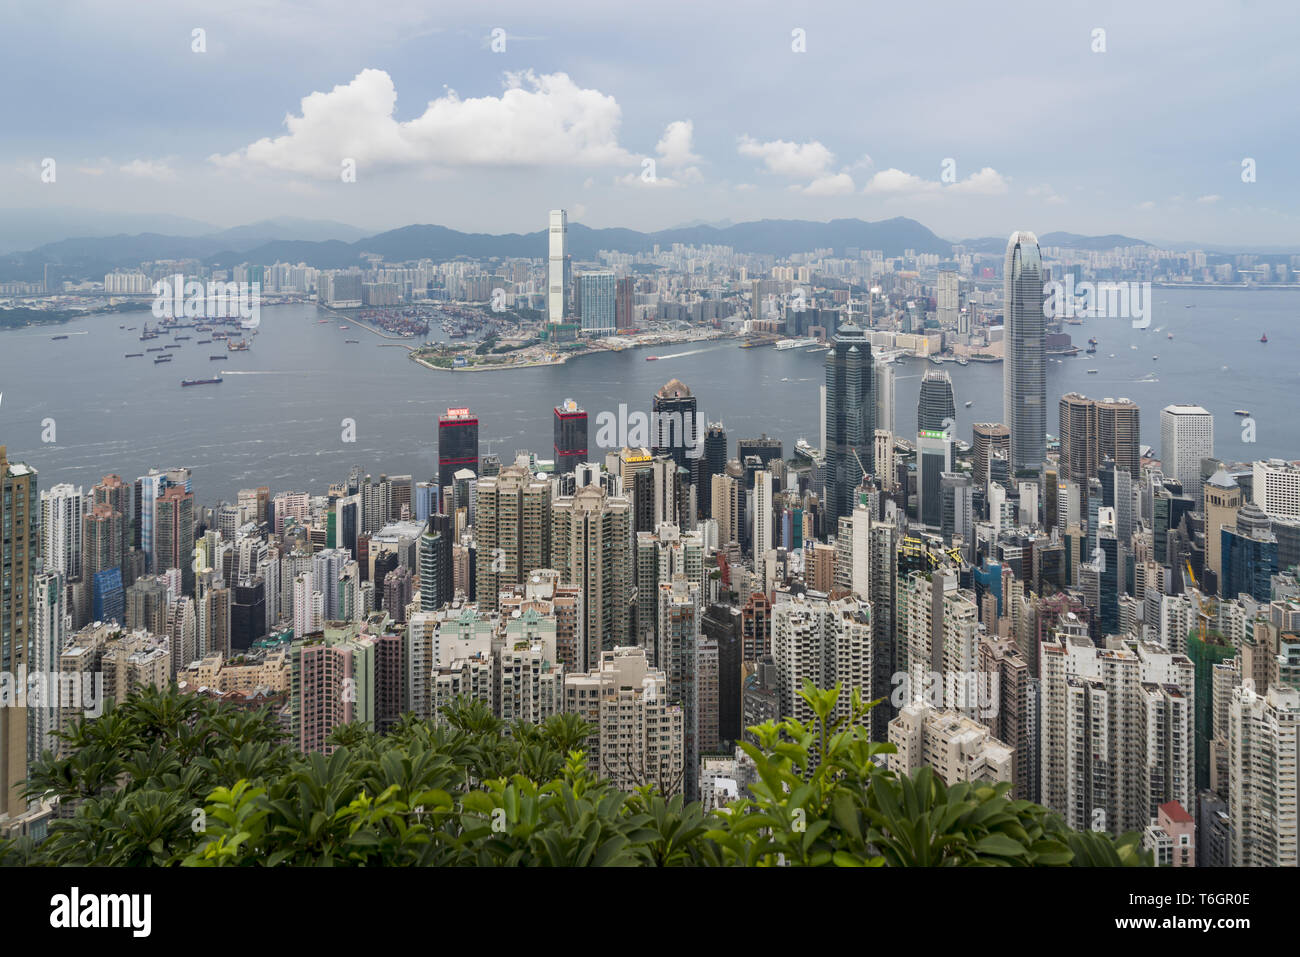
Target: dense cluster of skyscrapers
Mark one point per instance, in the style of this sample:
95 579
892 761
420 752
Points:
1113 629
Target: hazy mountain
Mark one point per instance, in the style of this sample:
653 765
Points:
29 228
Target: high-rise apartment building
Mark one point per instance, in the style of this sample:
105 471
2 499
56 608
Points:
597 295
512 531
19 551
1263 743
591 546
638 734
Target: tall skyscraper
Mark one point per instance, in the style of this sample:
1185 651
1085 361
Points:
947 300
19 550
1186 437
1092 430
624 310
557 294
762 514
596 291
990 439
1024 366
675 423
935 415
457 445
850 419
570 436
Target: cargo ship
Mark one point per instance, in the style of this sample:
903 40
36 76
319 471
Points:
217 358
134 355
162 359
240 346
215 380
172 346
204 342
57 338
154 349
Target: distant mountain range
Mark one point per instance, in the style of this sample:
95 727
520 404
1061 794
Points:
329 245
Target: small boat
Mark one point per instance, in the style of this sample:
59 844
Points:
344 328
1133 347
134 355
1241 411
322 322
57 338
969 404
1093 371
1264 337
1169 336
213 381
218 358
121 327
352 341
651 358
204 342
1112 355
1154 358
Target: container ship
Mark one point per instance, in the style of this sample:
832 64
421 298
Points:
215 380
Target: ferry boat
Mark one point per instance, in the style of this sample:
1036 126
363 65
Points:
1092 349
651 358
213 381
803 448
1241 411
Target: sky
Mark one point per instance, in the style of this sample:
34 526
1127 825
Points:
975 119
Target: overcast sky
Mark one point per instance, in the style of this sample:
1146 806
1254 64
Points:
1147 138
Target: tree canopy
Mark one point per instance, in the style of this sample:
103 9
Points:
166 779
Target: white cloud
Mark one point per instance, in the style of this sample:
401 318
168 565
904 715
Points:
1046 194
1146 206
832 184
895 182
674 147
1211 198
545 120
795 160
148 169
745 187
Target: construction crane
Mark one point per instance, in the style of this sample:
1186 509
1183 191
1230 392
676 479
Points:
1202 618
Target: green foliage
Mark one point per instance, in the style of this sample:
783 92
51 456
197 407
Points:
171 780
